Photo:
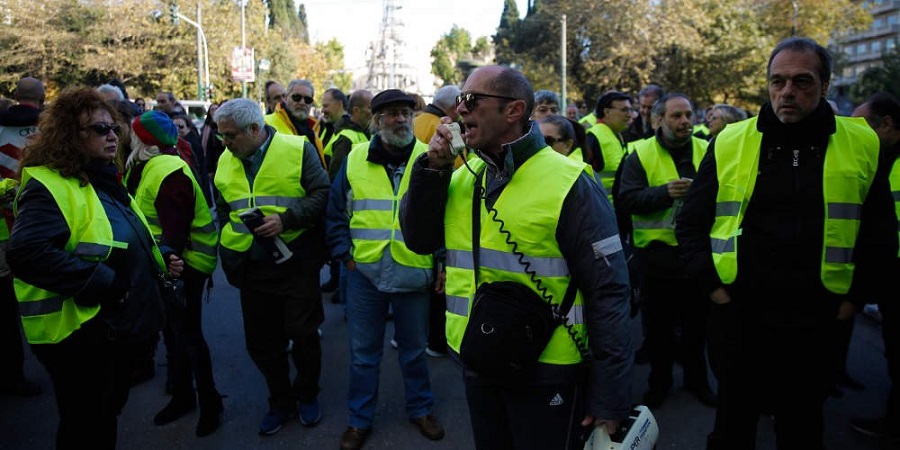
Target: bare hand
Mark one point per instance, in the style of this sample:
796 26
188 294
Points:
720 296
846 310
440 283
175 266
439 155
350 264
271 227
611 425
678 188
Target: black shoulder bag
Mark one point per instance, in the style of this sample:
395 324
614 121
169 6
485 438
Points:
509 324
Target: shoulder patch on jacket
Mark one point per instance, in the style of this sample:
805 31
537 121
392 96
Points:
606 247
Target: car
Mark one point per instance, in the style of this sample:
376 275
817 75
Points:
196 110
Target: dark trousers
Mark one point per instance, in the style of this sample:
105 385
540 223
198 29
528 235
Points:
90 373
190 359
282 303
11 352
890 331
785 370
507 415
666 303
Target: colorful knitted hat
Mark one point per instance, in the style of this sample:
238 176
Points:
155 128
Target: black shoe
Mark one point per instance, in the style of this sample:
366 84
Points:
335 298
143 373
180 405
429 426
640 356
210 409
21 388
705 396
354 438
882 428
847 381
330 286
654 398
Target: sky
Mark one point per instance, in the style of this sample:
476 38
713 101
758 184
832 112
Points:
355 23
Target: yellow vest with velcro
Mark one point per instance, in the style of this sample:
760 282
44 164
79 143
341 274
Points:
850 163
374 222
6 185
49 317
660 169
356 137
895 191
275 187
200 252
613 151
529 207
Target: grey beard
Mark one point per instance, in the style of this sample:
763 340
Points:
398 140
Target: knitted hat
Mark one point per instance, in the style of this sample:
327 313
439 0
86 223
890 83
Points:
390 97
155 128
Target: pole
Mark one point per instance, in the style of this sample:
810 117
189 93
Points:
562 69
202 39
199 58
243 46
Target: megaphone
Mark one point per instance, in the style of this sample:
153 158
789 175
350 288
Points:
638 432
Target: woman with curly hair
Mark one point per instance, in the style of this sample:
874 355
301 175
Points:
87 268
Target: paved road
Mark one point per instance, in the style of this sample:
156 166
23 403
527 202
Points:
684 423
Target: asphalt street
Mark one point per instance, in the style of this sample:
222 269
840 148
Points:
30 423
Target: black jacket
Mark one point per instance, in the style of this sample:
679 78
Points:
586 218
780 248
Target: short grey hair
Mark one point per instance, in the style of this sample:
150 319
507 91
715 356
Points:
302 82
730 114
445 97
242 111
110 89
545 96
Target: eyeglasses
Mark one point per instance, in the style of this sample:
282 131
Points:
305 98
395 113
230 136
470 99
102 128
624 110
552 140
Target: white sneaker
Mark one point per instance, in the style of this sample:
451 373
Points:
394 343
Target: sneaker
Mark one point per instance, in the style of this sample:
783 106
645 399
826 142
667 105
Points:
273 421
394 343
881 428
429 427
435 353
310 413
354 438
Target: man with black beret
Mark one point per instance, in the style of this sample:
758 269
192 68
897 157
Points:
364 232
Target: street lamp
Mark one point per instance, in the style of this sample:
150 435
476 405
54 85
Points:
202 57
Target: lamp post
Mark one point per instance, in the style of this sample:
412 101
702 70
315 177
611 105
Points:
243 45
562 64
202 62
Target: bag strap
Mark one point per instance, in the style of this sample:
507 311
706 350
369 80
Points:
568 300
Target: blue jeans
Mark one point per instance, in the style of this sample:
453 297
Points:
367 310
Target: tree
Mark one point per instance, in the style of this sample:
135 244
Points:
878 79
453 47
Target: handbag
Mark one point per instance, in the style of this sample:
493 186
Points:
509 324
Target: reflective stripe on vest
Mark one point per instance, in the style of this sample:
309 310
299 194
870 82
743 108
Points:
374 222
613 151
895 190
49 317
660 169
200 251
529 205
275 187
850 163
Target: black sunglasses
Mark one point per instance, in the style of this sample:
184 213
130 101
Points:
102 128
306 99
470 99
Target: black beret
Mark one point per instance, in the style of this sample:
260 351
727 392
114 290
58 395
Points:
389 97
